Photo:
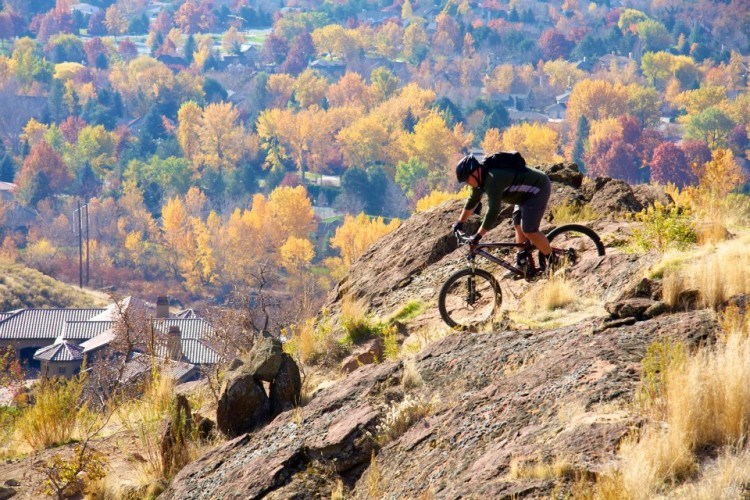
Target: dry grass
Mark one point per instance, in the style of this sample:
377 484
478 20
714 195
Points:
401 416
423 337
411 378
573 212
717 273
558 468
56 417
727 477
706 405
144 417
554 303
372 479
555 293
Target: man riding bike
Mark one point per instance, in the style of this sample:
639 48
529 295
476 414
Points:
527 188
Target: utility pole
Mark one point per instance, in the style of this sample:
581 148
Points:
80 246
87 244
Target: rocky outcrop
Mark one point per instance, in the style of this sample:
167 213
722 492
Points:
286 386
370 353
528 396
177 433
243 403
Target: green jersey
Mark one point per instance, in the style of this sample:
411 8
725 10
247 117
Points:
509 185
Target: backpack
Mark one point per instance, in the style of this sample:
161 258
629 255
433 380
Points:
511 160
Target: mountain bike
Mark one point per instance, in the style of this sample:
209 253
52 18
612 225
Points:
472 295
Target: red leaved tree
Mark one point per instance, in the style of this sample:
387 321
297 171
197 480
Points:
670 164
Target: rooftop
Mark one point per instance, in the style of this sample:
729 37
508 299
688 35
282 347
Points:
42 324
60 351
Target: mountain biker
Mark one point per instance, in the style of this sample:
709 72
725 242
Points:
527 188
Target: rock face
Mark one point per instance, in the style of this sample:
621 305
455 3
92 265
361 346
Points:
243 403
286 386
532 396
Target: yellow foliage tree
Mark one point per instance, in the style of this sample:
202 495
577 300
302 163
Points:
537 143
492 142
296 253
562 74
310 88
190 121
695 101
356 234
438 197
596 99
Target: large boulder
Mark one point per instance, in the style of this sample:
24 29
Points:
264 359
612 195
563 173
286 387
243 404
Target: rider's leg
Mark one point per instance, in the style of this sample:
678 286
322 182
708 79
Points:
539 240
532 212
520 237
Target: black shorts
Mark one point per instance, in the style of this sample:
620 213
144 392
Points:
529 214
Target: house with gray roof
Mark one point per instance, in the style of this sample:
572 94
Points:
61 359
56 341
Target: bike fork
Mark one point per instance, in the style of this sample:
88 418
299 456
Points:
471 284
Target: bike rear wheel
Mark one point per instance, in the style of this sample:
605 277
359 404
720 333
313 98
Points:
573 244
469 298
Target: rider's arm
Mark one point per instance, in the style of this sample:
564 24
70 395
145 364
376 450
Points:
495 185
474 198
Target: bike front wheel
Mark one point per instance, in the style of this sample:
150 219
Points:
469 297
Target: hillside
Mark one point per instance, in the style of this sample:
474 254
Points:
514 411
23 287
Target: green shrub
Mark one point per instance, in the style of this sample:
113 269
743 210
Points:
664 227
55 414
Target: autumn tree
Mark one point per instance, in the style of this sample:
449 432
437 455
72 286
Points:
232 41
554 45
596 99
355 236
537 143
115 20
222 138
613 158
435 145
350 90
365 142
310 88
415 43
192 17
43 173
669 164
711 126
644 103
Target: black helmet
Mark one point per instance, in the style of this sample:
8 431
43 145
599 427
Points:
465 167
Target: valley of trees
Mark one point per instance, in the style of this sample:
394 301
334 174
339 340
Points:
197 133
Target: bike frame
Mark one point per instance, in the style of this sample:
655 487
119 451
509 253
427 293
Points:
480 250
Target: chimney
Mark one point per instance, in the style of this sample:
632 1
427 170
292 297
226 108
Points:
162 306
174 343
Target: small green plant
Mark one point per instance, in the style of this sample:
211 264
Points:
391 349
411 310
660 356
67 478
664 227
